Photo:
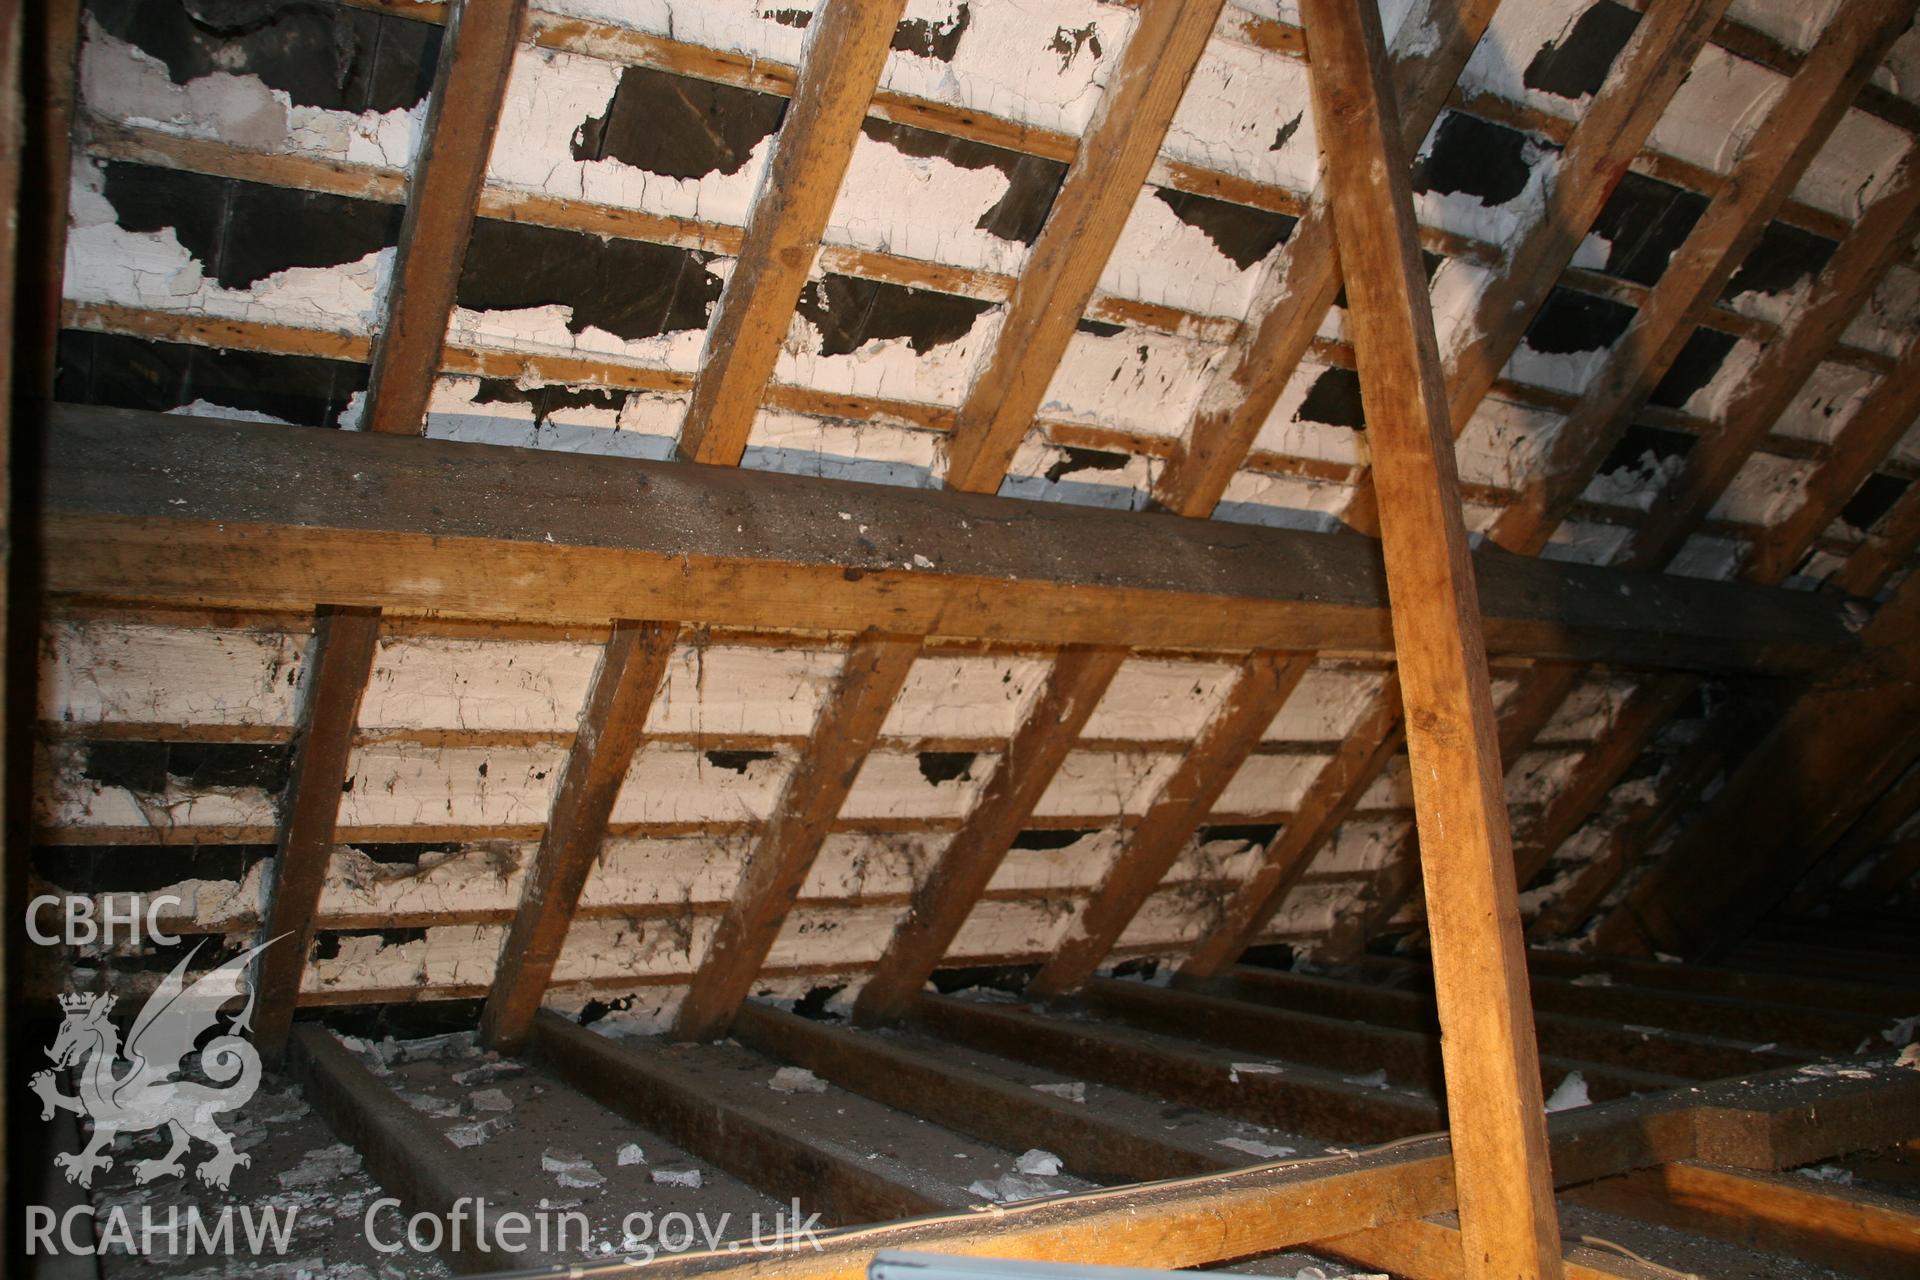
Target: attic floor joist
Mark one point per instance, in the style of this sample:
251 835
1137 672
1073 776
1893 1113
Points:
964 1088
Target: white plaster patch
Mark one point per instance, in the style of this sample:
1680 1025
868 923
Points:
1853 166
1794 23
485 875
1325 705
1392 789
643 946
671 783
1581 542
1270 784
1217 861
1568 371
1284 502
1891 315
1466 214
922 207
1717 110
878 452
640 871
644 425
447 955
1081 864
1586 713
892 785
65 797
1504 443
888 368
1361 845
1248 112
153 270
1136 380
1538 776
1153 699
425 682
1765 490
1514 38
549 95
1900 73
1105 784
1003 64
545 329
1703 556
116 673
1042 471
833 935
1312 908
965 696
1826 402
1286 432
1163 260
1012 928
403 784
743 690
1173 917
854 864
125 83
1710 401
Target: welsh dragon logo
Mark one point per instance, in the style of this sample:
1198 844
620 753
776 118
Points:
133 1089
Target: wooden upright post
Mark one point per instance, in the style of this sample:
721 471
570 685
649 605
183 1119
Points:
1507 1216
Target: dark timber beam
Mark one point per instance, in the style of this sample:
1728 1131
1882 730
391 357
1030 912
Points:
946 897
1859 1232
1102 186
153 508
875 668
339 660
1839 746
974 1102
1262 688
648 1084
404 1153
840 63
611 726
456 140
1410 1058
1508 1223
1300 1099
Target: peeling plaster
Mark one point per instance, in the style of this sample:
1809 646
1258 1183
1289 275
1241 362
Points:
107 264
113 673
122 82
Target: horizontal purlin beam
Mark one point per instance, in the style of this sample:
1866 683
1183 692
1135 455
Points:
152 508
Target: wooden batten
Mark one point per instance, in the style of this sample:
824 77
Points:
1508 1222
463 111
